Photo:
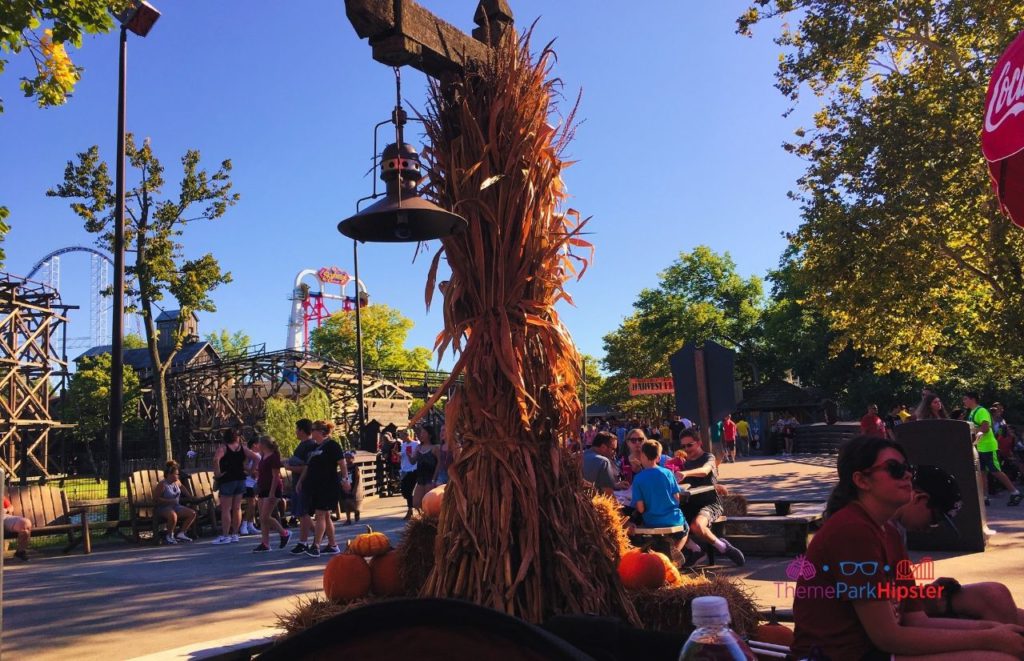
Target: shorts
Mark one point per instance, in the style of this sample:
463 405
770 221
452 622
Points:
300 507
324 498
232 488
730 444
710 511
989 462
164 510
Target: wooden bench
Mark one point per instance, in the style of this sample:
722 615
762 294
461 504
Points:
206 499
658 539
50 513
141 484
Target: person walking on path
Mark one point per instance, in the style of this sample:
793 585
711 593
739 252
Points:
351 488
729 438
988 447
408 471
167 497
250 515
320 482
743 437
871 424
229 471
297 464
268 488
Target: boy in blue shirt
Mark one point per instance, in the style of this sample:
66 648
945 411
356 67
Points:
656 495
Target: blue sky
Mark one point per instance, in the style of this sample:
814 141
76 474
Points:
680 146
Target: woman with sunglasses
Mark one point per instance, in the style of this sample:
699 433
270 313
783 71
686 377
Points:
844 606
632 463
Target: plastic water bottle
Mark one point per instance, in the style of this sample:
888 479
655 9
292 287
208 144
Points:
713 640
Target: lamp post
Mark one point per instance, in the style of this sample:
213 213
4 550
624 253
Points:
139 18
401 217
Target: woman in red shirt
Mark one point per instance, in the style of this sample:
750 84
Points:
846 603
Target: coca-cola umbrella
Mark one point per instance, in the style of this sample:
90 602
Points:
1002 137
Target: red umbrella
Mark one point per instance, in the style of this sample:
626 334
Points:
1002 138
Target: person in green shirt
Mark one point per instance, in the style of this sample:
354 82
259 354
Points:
988 447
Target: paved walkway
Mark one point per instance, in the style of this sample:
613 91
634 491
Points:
131 601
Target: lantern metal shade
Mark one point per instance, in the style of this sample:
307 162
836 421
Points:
405 220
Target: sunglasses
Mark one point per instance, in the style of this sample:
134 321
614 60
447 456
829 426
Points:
897 469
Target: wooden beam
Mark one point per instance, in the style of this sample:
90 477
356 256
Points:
401 32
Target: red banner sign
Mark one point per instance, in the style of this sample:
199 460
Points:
659 385
333 275
1002 136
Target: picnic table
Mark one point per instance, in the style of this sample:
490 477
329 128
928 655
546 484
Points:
625 496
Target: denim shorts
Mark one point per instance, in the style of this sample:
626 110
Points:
232 488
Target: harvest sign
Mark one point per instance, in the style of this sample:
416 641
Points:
659 385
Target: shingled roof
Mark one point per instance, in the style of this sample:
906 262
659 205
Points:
139 360
779 395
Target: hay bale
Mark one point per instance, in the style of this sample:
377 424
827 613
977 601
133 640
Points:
312 609
668 609
612 522
416 553
734 505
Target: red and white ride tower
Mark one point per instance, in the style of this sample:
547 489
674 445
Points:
309 305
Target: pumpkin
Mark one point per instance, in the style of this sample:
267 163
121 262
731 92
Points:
346 577
385 581
432 502
773 632
672 576
370 544
641 570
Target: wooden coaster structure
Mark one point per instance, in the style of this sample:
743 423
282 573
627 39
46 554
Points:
32 321
210 397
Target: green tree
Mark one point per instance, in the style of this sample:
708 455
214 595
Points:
902 247
133 341
228 344
153 227
281 415
592 380
699 297
41 28
88 400
384 333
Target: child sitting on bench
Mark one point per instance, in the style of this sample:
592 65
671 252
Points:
656 495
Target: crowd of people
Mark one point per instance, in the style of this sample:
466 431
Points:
678 491
996 443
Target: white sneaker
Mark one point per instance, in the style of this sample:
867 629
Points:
989 531
182 537
170 540
223 539
234 538
244 528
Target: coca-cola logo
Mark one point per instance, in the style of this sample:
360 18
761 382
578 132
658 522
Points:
1007 97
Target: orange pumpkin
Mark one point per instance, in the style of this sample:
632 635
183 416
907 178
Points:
672 575
370 544
641 570
346 577
386 581
773 632
432 502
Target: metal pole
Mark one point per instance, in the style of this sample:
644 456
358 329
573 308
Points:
359 343
117 330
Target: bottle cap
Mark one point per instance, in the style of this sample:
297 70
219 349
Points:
710 611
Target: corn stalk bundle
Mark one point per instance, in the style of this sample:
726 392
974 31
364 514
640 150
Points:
516 533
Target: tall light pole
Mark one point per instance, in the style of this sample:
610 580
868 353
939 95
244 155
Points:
139 18
359 344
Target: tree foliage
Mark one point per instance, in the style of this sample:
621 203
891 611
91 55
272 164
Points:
41 28
154 225
4 229
901 247
282 414
88 402
700 297
228 344
385 330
